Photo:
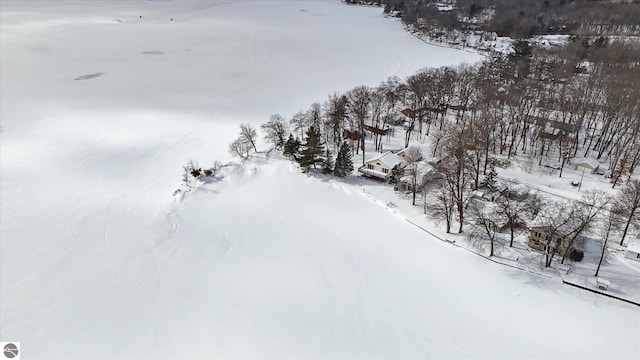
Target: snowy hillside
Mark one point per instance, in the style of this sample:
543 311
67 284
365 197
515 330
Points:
103 102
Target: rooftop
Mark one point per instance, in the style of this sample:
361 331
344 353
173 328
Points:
388 158
588 161
634 245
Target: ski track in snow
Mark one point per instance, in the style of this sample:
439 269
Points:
320 264
134 295
218 297
74 227
363 295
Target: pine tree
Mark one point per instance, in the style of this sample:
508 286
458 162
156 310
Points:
327 163
291 147
311 153
491 177
344 161
396 174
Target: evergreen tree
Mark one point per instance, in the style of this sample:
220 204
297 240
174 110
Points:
291 147
327 163
344 161
491 177
396 174
311 153
521 58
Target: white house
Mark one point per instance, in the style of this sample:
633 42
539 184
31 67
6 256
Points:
589 164
380 166
424 173
633 250
408 157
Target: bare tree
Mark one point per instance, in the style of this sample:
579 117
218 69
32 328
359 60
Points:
314 115
428 180
626 205
443 205
610 224
413 157
300 123
240 148
359 107
248 135
379 111
191 173
513 212
418 85
336 112
276 130
556 216
536 204
584 214
454 173
483 227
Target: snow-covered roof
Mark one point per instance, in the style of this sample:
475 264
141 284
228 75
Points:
388 158
424 169
404 152
519 189
593 163
539 222
634 246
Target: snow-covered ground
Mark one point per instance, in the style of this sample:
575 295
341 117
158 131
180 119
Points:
102 104
527 175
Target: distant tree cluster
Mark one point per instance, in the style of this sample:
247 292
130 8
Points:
521 19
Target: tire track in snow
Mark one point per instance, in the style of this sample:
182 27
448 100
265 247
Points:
363 294
160 276
174 228
135 297
74 228
219 298
323 269
407 328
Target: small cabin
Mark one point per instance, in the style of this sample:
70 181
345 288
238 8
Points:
588 164
633 250
602 284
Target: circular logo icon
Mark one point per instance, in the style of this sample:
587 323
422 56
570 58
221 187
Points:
10 350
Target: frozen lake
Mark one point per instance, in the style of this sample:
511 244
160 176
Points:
102 104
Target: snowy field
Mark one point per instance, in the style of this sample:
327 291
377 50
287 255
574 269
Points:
102 102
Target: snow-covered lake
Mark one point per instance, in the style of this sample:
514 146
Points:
102 102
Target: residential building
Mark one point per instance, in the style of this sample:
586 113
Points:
590 165
381 166
539 237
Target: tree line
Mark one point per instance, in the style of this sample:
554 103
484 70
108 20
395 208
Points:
543 106
521 19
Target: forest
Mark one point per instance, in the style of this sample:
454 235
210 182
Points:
519 19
